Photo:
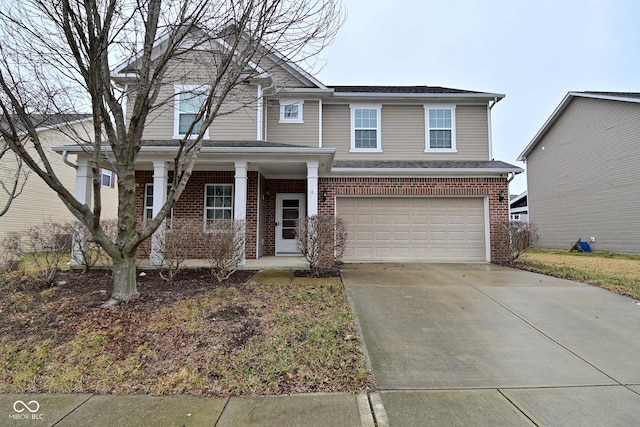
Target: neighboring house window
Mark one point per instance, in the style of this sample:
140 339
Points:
188 102
148 203
366 128
291 111
108 178
218 204
441 128
515 217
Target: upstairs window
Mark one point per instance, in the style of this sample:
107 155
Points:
441 128
188 102
366 128
291 111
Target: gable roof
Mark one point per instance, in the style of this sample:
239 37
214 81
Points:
127 67
570 96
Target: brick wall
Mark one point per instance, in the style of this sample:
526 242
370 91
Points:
498 211
191 204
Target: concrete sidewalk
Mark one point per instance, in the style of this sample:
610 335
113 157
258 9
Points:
86 410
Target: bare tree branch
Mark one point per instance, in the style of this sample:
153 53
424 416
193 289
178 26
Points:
58 58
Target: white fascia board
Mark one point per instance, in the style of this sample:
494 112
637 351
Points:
116 71
550 121
230 150
605 97
519 197
432 172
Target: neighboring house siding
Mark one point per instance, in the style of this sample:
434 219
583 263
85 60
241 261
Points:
586 181
403 133
303 134
38 202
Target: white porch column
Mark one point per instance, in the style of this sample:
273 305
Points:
160 178
84 177
240 201
312 188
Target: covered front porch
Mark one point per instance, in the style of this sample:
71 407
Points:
267 189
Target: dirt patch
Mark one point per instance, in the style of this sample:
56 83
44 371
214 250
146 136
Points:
193 335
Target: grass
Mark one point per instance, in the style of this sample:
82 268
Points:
251 338
616 272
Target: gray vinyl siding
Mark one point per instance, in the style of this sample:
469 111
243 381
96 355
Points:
586 181
303 134
403 133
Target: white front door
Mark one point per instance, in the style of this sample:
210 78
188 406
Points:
289 209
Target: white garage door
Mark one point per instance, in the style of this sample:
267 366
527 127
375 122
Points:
413 229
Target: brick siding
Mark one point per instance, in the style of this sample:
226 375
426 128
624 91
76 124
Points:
191 204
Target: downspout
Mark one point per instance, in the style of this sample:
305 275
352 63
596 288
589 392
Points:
260 118
490 130
66 161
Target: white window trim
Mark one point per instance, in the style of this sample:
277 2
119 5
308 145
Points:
427 148
204 214
299 103
178 89
378 108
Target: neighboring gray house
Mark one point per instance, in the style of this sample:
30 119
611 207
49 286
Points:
518 208
583 173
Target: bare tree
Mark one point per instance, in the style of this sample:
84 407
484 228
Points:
57 57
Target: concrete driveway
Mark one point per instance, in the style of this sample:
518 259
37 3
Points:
478 344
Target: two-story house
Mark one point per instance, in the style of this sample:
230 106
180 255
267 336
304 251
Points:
410 169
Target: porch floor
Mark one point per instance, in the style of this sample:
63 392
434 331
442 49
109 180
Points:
266 262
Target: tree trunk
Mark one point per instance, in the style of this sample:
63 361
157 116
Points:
125 286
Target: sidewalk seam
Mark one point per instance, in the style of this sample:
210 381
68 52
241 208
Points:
72 411
377 408
228 399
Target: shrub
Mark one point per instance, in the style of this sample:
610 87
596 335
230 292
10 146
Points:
176 244
225 243
45 247
321 239
10 252
515 237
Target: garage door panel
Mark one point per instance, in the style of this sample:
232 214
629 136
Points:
421 229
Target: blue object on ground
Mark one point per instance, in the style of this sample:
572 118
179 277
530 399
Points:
585 246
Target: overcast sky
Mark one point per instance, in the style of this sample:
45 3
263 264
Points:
532 51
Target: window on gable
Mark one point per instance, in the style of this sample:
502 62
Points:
107 178
291 111
189 101
218 204
365 128
441 132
